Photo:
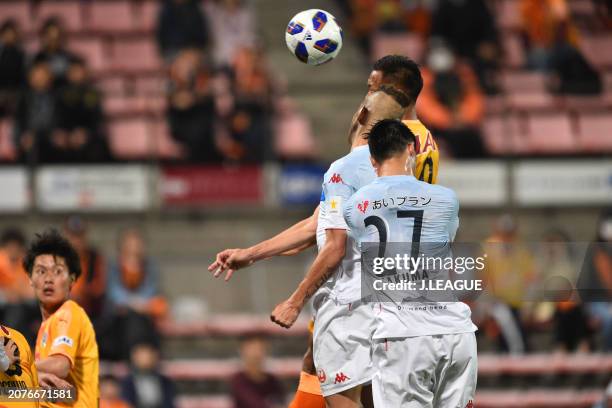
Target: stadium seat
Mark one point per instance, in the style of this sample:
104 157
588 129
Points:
293 137
92 49
406 44
18 11
165 146
595 132
526 102
500 133
111 86
146 17
550 134
68 11
7 147
150 85
524 82
513 49
582 8
595 50
508 14
136 55
111 16
131 138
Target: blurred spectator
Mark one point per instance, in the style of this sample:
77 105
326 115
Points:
249 123
12 67
451 103
595 282
390 16
18 307
80 116
145 386
110 393
362 23
253 387
232 26
36 119
606 401
133 290
470 30
53 49
509 272
88 291
181 25
191 107
558 273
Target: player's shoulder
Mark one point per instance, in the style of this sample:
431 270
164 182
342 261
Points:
12 334
71 310
439 191
346 168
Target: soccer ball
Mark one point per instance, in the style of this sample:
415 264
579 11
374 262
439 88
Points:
314 37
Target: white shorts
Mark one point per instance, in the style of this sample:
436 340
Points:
426 371
343 345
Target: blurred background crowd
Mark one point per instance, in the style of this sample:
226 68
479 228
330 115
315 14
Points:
206 125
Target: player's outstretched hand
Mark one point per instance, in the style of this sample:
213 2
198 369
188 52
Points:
285 314
229 261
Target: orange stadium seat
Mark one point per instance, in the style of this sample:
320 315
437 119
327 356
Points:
111 16
551 133
131 138
410 45
92 49
594 134
68 11
18 11
136 55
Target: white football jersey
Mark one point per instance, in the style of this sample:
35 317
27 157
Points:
344 177
402 209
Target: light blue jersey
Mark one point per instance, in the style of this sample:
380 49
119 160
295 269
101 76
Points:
344 177
404 209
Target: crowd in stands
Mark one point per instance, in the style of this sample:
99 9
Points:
468 47
556 285
215 92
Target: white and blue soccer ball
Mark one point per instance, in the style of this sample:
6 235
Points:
314 37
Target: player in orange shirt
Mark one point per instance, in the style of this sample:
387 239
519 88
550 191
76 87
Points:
66 348
19 371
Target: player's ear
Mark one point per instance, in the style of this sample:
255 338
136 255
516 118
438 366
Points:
363 116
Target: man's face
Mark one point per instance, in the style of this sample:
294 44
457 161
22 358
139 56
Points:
51 280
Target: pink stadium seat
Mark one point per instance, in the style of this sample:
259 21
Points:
582 7
596 48
7 148
131 138
500 134
607 78
92 49
551 133
68 11
532 101
136 55
508 14
146 17
113 16
410 45
111 86
150 86
31 45
595 133
515 54
524 81
165 146
293 137
18 11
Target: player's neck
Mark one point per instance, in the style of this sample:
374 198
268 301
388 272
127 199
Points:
394 167
48 310
410 114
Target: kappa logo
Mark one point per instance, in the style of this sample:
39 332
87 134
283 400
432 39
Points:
363 207
470 404
322 376
336 178
340 378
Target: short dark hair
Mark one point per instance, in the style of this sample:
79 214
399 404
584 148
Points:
12 235
387 138
403 73
51 242
397 94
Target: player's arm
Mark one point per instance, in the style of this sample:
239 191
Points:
326 263
294 239
58 365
